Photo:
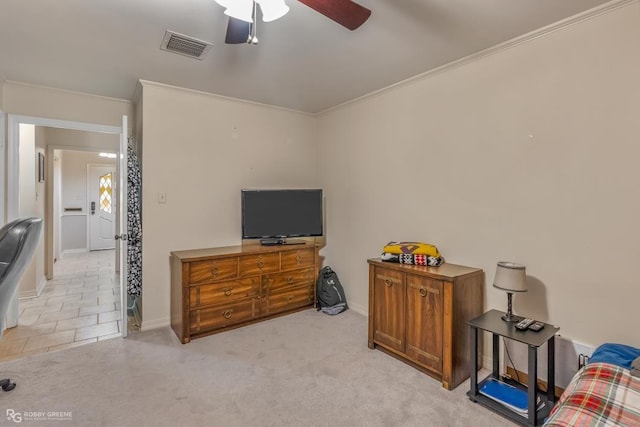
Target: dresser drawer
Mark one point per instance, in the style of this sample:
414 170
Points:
206 319
217 289
211 270
299 258
279 282
251 265
223 292
284 301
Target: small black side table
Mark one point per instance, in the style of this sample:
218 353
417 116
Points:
491 322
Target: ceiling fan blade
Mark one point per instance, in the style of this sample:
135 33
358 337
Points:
345 12
237 31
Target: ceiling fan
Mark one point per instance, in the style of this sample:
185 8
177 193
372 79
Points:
242 15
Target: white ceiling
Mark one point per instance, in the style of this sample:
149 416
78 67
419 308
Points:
304 61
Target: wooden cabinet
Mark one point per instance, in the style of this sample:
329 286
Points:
424 337
222 288
419 315
388 325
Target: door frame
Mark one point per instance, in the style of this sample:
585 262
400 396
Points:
12 180
115 197
13 172
2 162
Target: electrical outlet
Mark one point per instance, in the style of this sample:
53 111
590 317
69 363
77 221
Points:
583 359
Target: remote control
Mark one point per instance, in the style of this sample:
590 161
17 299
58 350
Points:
524 324
536 326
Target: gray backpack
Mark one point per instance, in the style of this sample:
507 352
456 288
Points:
329 292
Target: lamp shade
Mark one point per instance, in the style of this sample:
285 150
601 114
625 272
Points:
510 277
272 9
240 9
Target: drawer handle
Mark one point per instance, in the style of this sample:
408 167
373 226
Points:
227 292
290 279
214 271
289 298
428 289
298 258
227 314
388 282
260 264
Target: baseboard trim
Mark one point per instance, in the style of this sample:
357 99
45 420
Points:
33 293
41 285
148 325
136 312
73 251
359 309
523 378
28 294
486 361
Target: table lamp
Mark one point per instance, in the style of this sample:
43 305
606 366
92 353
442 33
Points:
510 277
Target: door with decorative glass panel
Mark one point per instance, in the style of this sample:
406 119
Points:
101 209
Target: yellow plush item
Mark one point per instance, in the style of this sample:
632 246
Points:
415 248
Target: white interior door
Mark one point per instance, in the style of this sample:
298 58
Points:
102 209
122 220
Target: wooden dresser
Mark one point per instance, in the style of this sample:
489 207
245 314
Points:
418 314
222 288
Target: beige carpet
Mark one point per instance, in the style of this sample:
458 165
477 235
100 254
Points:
306 369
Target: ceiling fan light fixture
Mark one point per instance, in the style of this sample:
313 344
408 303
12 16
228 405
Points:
272 9
240 9
224 3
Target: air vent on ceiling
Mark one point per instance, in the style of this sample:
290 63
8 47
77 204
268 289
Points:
184 45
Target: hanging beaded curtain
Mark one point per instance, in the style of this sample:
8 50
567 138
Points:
134 225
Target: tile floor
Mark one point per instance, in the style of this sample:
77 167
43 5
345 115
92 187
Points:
81 305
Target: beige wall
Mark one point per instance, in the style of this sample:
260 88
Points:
74 177
528 155
73 230
58 104
32 142
201 150
2 81
137 125
87 140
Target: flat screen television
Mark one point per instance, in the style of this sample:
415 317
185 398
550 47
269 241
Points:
275 215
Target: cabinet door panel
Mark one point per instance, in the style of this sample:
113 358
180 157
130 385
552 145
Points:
389 308
424 321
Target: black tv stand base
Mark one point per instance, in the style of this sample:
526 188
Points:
273 242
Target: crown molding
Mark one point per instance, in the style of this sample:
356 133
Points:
137 93
222 97
541 32
74 92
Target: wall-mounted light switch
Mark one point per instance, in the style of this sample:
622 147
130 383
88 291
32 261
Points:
162 197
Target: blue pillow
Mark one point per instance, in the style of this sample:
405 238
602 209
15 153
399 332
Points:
616 354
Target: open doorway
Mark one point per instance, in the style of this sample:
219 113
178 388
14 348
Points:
77 292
